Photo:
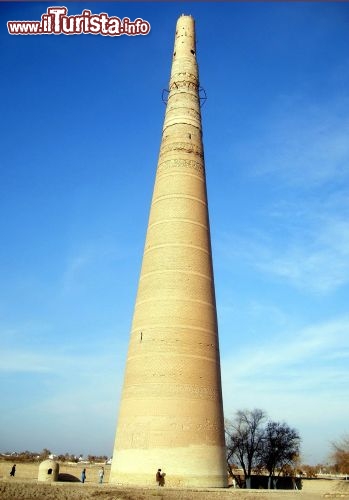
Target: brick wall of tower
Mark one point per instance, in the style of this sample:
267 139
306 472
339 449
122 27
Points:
171 414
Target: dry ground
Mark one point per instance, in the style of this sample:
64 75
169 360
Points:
25 487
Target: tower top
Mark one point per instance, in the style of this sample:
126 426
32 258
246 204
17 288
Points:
185 43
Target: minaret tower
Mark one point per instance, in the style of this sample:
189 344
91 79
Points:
171 414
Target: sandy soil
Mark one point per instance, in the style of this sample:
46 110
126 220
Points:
26 487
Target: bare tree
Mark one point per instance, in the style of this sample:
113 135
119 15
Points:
340 455
281 447
245 439
310 471
45 454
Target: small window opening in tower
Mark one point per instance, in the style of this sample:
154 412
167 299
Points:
49 471
189 135
193 52
174 54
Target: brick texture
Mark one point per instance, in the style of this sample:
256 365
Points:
171 413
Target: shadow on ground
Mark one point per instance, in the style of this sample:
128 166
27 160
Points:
68 478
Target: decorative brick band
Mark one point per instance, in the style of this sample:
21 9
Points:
179 163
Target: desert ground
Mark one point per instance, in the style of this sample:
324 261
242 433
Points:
24 486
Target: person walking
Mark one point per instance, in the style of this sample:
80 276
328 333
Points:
101 475
160 477
13 470
83 475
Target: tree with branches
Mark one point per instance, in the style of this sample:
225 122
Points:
340 455
244 440
281 447
45 454
255 444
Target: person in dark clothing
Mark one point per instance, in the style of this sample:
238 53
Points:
160 478
83 475
13 471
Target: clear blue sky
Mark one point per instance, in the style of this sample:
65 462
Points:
81 120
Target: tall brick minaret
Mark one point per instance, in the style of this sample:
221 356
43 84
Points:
171 414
